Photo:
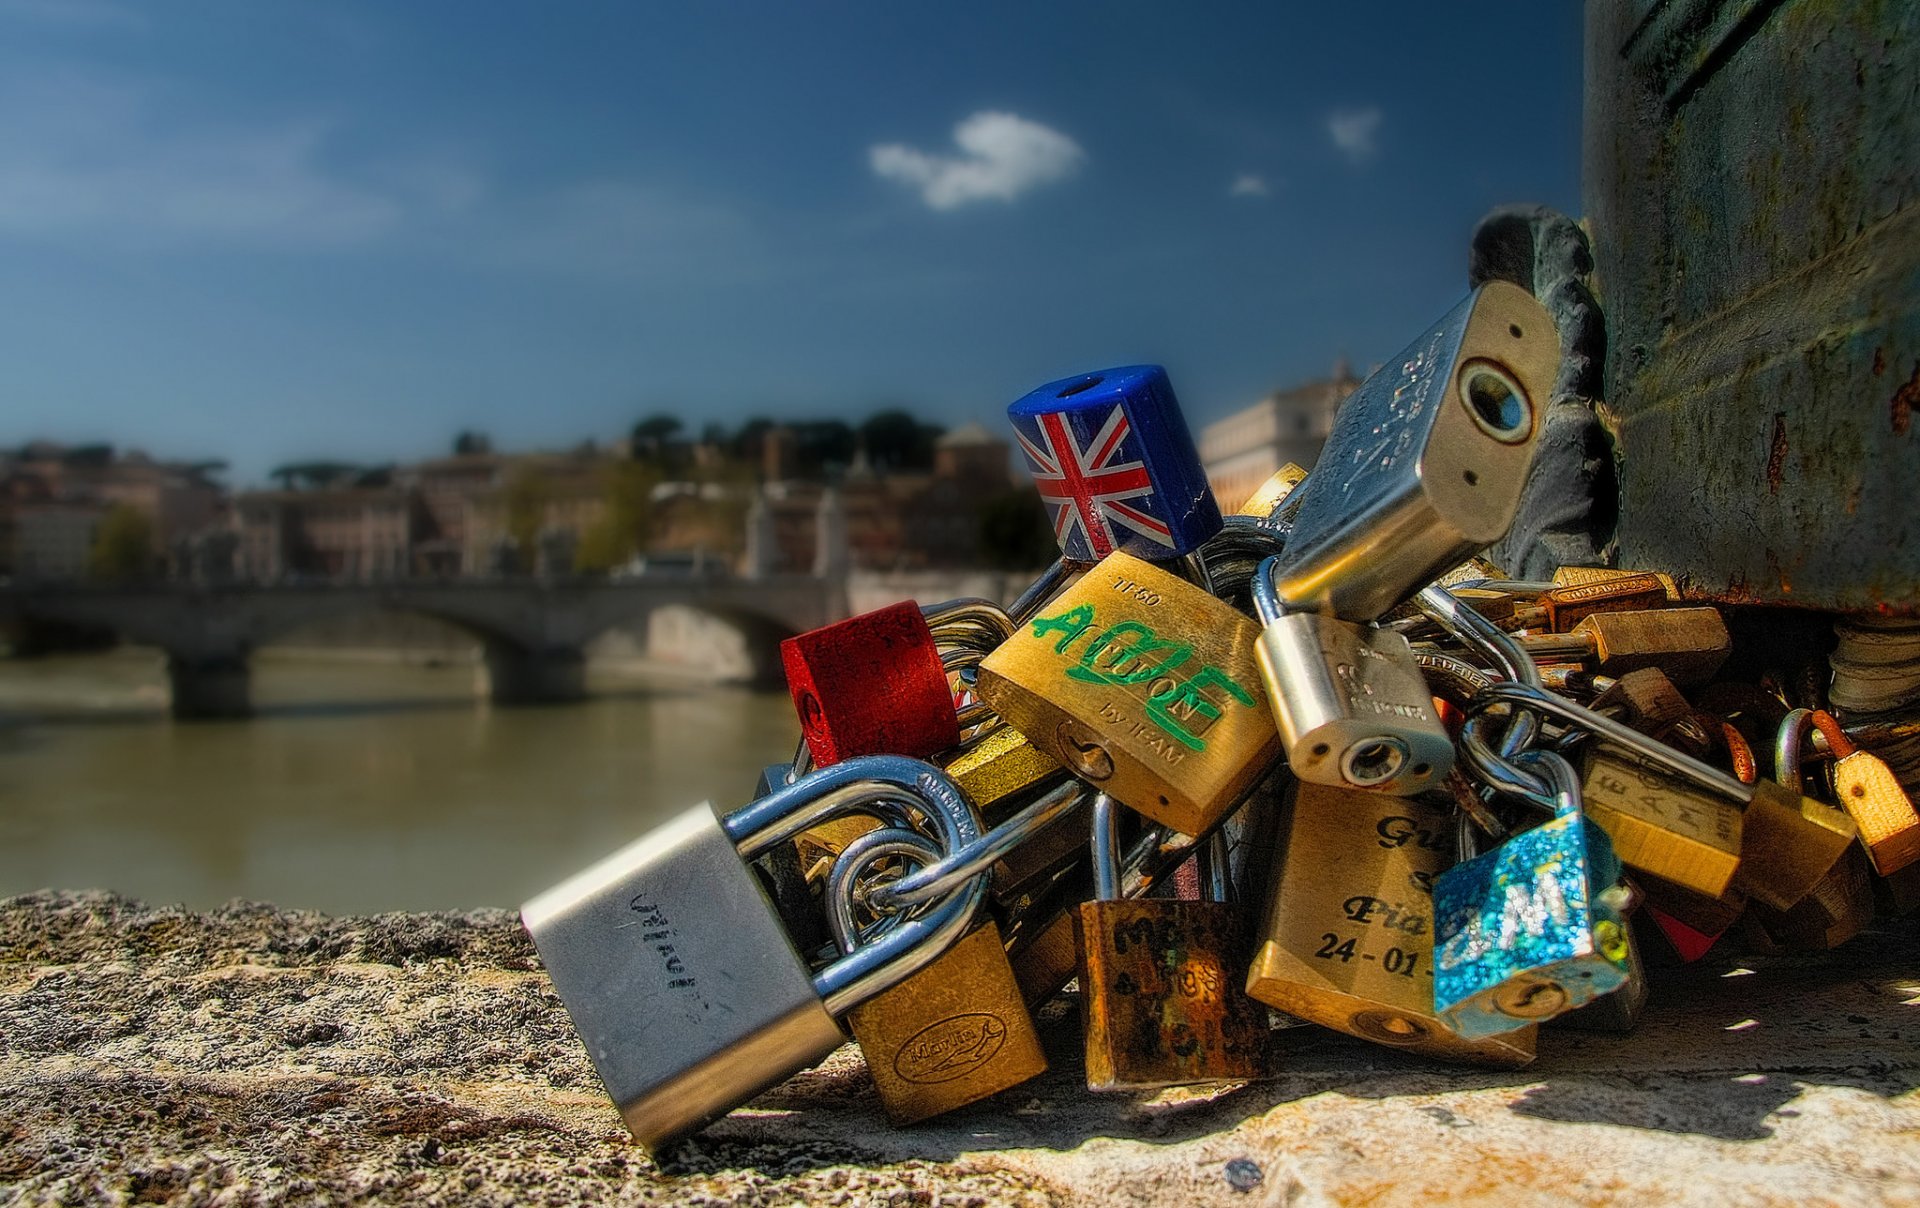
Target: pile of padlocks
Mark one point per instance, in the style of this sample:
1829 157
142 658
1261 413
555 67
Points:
1313 758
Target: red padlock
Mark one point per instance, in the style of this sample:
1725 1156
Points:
871 684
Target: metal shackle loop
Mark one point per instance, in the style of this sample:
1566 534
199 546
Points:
1042 589
1559 776
1497 646
946 872
1266 597
864 780
1789 747
1106 848
1477 750
968 613
1648 750
855 859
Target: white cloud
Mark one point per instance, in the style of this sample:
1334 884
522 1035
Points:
1002 156
1353 130
1249 185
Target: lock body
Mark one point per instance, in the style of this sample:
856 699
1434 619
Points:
1161 997
1527 931
1115 465
951 1034
1789 843
673 930
871 684
1267 504
1671 831
1347 937
1426 461
1351 705
1889 826
1143 684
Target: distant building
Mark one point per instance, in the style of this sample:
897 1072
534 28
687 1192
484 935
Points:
52 497
1243 450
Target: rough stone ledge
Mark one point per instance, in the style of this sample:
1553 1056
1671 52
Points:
250 1055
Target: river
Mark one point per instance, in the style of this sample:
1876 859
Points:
359 786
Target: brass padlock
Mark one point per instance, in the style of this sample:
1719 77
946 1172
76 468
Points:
1160 989
954 1032
1674 831
1265 504
1865 787
1689 644
1347 941
1145 685
1840 906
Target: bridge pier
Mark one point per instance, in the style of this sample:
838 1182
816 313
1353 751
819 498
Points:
519 676
208 686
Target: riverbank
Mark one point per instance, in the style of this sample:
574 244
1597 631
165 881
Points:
248 1054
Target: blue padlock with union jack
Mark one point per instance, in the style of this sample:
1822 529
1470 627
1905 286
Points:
1114 462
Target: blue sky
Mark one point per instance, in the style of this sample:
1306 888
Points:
266 231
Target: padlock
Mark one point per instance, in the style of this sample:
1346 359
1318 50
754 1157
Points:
1558 610
783 868
1051 959
1533 928
1578 576
878 683
954 1032
1673 831
1143 684
1837 909
1618 1011
1267 503
1426 460
1689 644
1160 986
1691 923
1348 700
679 977
1863 785
1788 842
1649 700
1347 940
1112 458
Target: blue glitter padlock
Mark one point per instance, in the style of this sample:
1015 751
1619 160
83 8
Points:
1113 461
1533 928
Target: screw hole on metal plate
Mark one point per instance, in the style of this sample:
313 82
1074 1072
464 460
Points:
1081 387
1321 748
1473 480
1164 801
1514 330
1858 790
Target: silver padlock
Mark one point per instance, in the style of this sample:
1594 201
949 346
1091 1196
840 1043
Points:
1426 461
677 972
1351 705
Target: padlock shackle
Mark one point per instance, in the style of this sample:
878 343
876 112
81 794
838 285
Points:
1029 602
908 946
1558 775
878 844
1266 597
1106 848
1494 644
1657 754
944 873
1489 767
782 814
971 616
1789 744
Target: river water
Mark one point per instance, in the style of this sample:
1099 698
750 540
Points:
358 787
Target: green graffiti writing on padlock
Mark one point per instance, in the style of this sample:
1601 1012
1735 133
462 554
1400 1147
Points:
1121 655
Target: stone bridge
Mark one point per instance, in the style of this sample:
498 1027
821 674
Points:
533 632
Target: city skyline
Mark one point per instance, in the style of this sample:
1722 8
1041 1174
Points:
349 232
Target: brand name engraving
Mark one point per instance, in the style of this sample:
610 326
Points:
952 1048
659 934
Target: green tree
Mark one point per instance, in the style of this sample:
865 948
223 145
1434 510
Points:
470 442
623 529
1014 533
528 493
122 545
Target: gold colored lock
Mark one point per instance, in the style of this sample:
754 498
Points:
1673 831
1839 907
1045 965
1145 685
1347 941
998 767
1867 789
1265 501
1790 843
1576 576
952 1033
1689 644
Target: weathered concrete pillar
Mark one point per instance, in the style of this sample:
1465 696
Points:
206 686
516 675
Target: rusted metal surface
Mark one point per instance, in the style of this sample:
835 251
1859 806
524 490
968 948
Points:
1753 189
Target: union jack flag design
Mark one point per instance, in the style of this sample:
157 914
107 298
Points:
1109 484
